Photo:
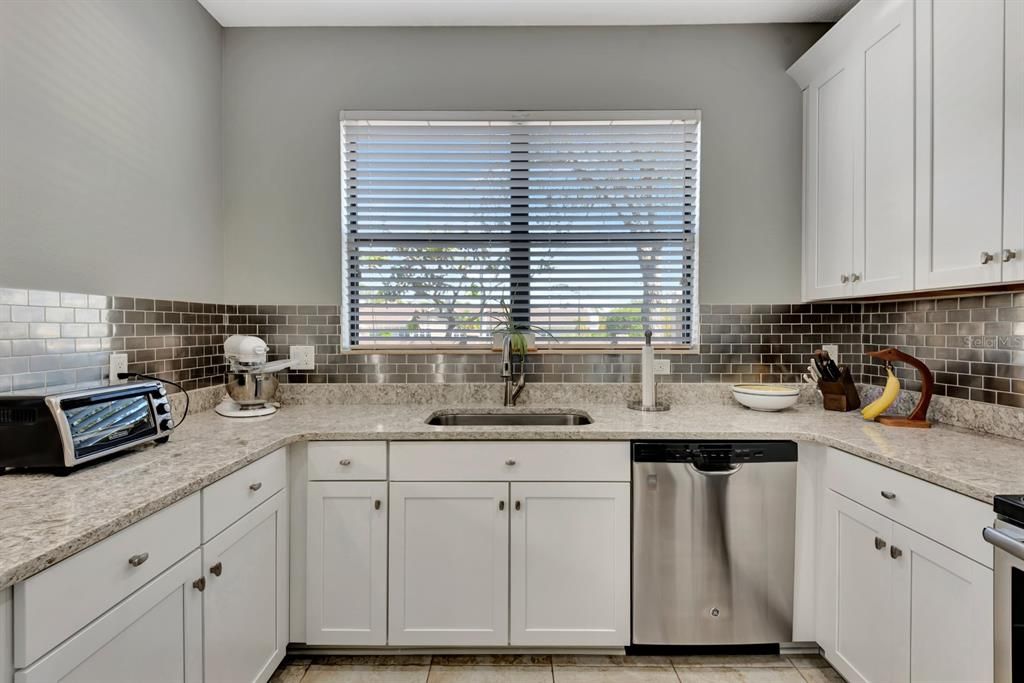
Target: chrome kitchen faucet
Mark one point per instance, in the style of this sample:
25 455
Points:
512 389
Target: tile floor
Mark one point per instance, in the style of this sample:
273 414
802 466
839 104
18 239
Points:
556 669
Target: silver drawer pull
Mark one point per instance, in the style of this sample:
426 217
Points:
256 487
345 463
138 560
888 495
879 543
510 462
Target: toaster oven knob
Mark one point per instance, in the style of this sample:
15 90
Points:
166 424
162 408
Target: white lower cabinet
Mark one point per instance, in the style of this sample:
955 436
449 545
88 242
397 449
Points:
902 607
863 629
569 564
346 563
946 599
154 635
245 608
448 564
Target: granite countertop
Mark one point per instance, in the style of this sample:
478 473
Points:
45 518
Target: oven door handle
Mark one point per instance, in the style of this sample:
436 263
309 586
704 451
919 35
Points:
1004 542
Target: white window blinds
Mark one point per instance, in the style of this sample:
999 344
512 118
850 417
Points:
582 225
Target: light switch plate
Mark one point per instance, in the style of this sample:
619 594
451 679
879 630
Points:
833 351
303 357
662 366
118 363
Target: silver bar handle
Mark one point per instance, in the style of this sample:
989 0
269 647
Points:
1003 542
137 560
716 473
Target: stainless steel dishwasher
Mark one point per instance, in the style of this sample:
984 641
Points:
714 526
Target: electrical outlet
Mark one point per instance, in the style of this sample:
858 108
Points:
662 366
832 350
303 357
118 363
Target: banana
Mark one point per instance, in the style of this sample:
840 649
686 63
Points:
882 403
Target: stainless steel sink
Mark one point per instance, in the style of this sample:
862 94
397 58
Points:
507 419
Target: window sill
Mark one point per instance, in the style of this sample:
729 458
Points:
478 350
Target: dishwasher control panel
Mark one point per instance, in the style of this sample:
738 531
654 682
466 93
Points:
714 455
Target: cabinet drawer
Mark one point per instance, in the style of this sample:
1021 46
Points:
227 500
509 461
59 601
952 519
340 460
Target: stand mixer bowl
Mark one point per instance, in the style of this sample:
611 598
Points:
251 389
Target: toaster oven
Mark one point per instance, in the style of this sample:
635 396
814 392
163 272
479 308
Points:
61 430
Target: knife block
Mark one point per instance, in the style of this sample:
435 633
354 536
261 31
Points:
840 395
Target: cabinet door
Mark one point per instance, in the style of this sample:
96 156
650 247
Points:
943 604
861 617
245 608
155 634
960 138
1013 192
448 564
883 249
829 184
570 564
346 563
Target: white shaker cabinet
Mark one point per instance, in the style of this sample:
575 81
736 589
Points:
1012 256
153 635
861 629
943 607
245 608
960 84
570 564
859 154
346 563
448 564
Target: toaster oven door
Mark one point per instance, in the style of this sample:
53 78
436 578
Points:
98 424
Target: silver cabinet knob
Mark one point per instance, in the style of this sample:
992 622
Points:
987 257
217 569
519 505
510 462
879 543
138 560
200 584
345 463
844 278
376 504
888 495
1009 255
256 487
895 553
501 505
854 277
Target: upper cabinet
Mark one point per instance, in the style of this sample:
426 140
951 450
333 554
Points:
912 180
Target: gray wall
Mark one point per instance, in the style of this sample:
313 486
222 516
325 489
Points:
110 177
283 89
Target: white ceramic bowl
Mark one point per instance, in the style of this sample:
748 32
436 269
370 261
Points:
765 397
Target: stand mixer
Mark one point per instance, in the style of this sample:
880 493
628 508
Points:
251 382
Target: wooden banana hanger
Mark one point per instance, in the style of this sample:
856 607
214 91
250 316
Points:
919 416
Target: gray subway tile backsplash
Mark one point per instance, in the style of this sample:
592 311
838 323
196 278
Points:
974 344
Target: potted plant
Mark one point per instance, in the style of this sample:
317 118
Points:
524 336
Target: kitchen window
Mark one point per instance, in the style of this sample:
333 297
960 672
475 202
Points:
583 224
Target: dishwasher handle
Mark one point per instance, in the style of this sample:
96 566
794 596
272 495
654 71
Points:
733 469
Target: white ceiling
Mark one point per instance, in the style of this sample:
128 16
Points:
520 12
